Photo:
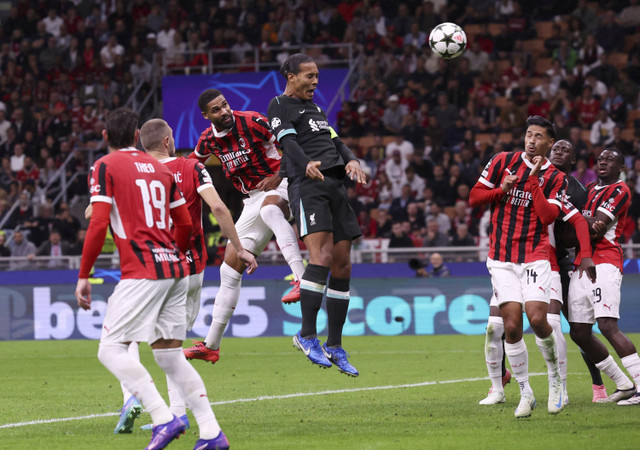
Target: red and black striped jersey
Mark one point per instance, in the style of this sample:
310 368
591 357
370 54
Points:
613 200
247 151
192 178
516 233
141 192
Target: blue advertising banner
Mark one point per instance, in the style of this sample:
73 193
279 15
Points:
382 306
246 91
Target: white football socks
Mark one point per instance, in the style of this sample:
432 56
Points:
225 304
632 364
519 361
136 379
191 388
493 352
177 405
561 343
286 237
611 369
134 352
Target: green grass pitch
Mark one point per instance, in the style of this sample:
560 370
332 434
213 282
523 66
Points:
414 392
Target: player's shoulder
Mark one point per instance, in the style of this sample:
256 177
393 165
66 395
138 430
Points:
207 133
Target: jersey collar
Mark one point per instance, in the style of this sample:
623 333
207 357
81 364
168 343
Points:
531 165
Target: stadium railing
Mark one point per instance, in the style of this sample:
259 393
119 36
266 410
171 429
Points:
374 253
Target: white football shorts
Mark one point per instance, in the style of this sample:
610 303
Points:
193 298
589 301
556 287
513 282
144 310
252 231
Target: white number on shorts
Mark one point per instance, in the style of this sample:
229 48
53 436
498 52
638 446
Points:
153 196
531 274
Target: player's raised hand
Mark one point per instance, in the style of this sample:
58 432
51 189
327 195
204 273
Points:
313 170
355 172
269 183
538 162
587 265
509 181
83 293
249 260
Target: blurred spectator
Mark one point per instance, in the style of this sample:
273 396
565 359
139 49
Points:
602 129
399 239
583 173
609 33
110 51
415 182
17 158
41 225
590 52
462 237
416 218
53 22
398 208
141 69
445 112
21 247
4 124
54 247
393 115
66 223
75 248
434 212
434 237
394 168
615 105
587 108
29 171
4 250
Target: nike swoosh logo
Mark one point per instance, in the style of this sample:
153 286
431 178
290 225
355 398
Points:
306 351
559 404
301 112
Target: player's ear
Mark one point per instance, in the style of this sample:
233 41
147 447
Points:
136 136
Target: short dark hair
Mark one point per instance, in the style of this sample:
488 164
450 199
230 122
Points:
544 123
206 97
619 156
121 127
293 62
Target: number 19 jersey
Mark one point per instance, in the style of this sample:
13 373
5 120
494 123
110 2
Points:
141 191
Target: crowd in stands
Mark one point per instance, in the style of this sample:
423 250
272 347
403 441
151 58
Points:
423 126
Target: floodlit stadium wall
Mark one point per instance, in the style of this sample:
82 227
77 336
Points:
385 300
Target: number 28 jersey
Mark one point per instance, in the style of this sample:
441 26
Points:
141 192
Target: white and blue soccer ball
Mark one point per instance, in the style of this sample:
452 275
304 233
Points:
448 40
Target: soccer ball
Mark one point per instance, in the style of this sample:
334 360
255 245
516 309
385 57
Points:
448 40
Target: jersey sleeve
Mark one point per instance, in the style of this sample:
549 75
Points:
492 173
100 186
201 178
176 198
261 128
202 151
616 204
280 120
557 191
567 210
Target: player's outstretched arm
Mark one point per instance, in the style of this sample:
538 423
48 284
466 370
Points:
221 213
582 233
96 233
